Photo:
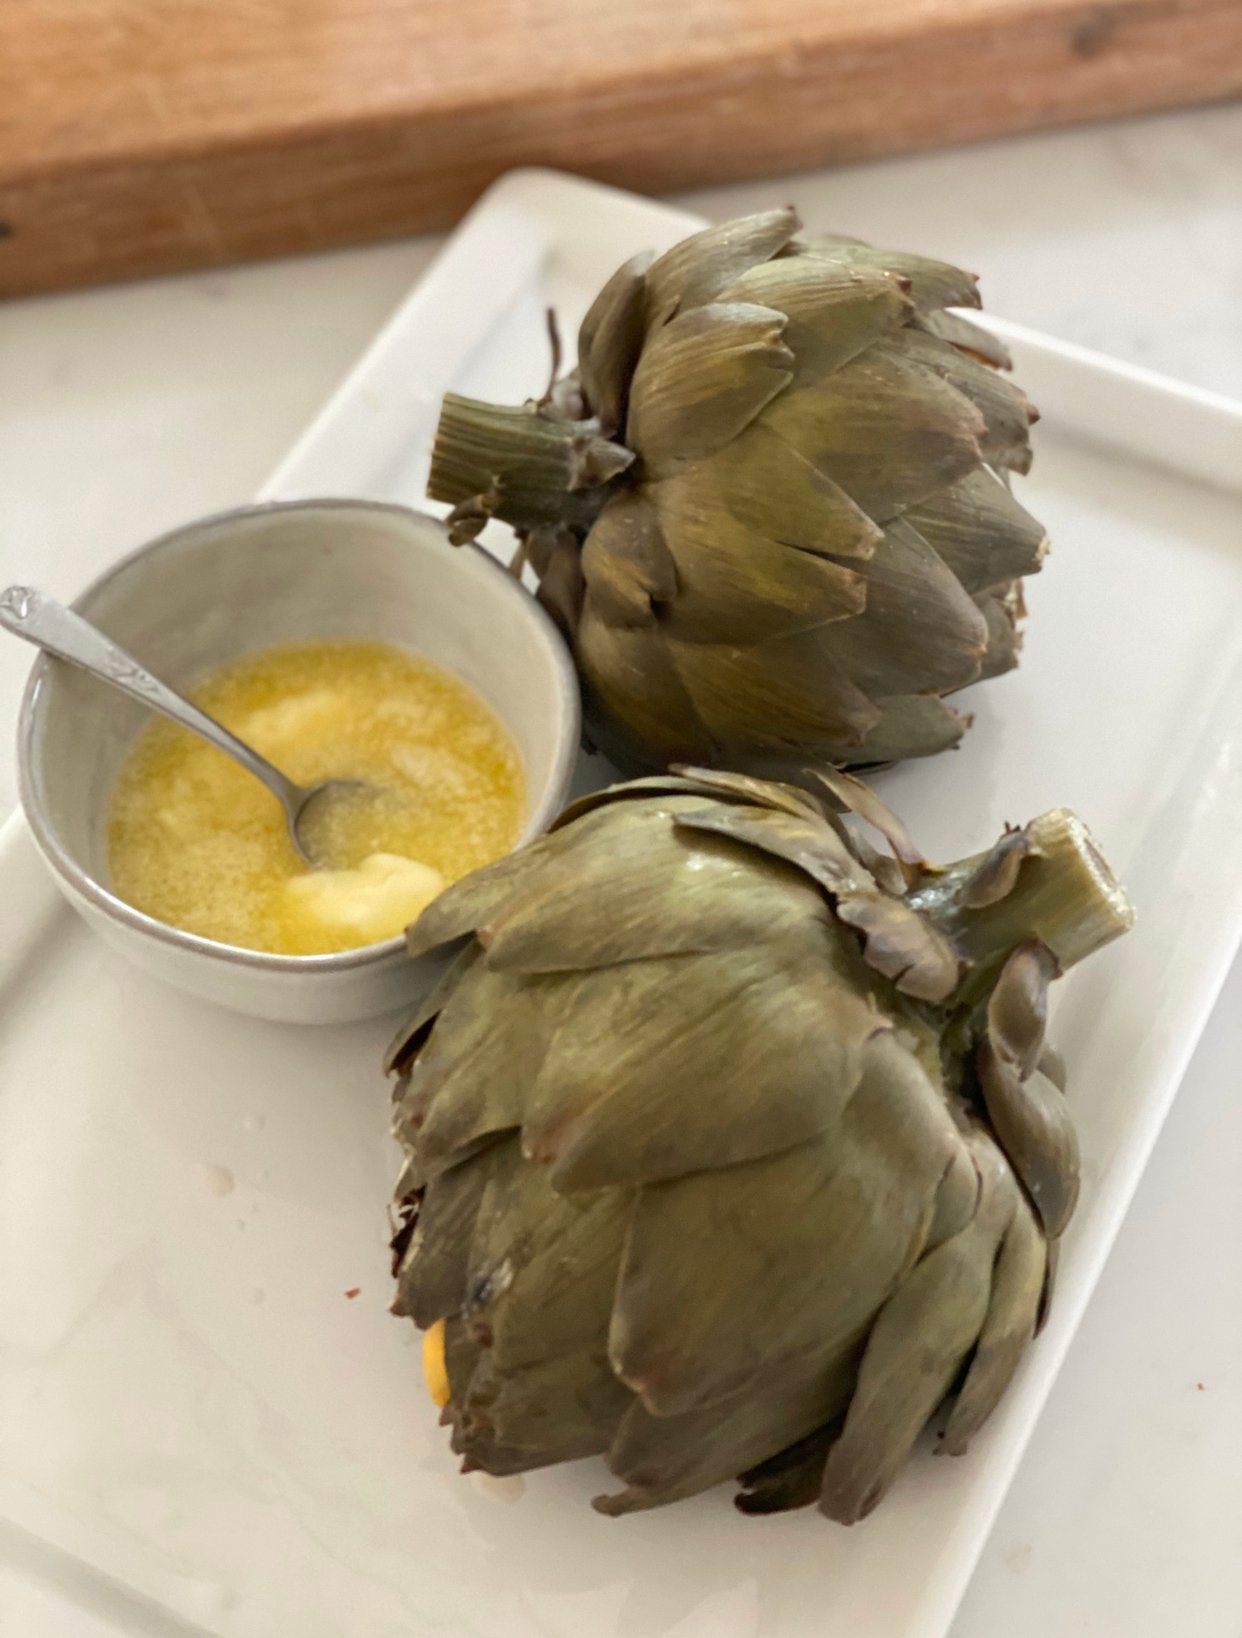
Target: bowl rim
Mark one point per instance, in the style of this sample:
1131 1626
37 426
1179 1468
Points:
267 961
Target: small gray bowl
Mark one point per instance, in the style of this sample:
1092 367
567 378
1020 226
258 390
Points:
228 585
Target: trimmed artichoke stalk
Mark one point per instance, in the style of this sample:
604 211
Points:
734 1145
771 507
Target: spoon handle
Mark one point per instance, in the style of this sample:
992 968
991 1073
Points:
47 624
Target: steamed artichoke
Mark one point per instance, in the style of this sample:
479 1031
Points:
734 1145
768 509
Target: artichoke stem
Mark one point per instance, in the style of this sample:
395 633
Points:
1065 895
535 469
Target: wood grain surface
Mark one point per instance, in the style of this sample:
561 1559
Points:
140 136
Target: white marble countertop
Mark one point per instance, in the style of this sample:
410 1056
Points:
125 411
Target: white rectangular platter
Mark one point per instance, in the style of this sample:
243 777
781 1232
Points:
206 1433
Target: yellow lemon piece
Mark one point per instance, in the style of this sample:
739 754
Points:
434 1369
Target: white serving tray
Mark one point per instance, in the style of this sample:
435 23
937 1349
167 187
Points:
202 1434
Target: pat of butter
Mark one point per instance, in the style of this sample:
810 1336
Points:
375 901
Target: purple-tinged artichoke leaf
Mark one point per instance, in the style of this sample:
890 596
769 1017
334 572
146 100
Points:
997 875
1017 1288
901 944
1033 1126
1018 1006
859 799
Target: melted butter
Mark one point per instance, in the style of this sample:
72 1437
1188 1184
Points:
199 843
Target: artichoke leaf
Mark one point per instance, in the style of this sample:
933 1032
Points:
698 1316
610 339
906 725
563 1407
687 780
997 874
1004 638
679 1092
627 567
931 284
431 1277
902 945
785 695
413 1031
466 1084
1018 1006
957 1198
665 1458
600 909
1007 412
737 586
971 338
886 430
859 799
636 697
834 314
697 269
980 531
920 631
701 380
916 1348
795 837
1017 1290
542 1266
1034 1128
773 490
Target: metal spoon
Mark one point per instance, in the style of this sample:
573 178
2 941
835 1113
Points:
49 625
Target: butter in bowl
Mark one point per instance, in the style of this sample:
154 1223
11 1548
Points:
341 640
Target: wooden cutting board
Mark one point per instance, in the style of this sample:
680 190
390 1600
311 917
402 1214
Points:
138 136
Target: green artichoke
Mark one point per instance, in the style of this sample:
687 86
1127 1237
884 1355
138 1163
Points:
770 508
733 1144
